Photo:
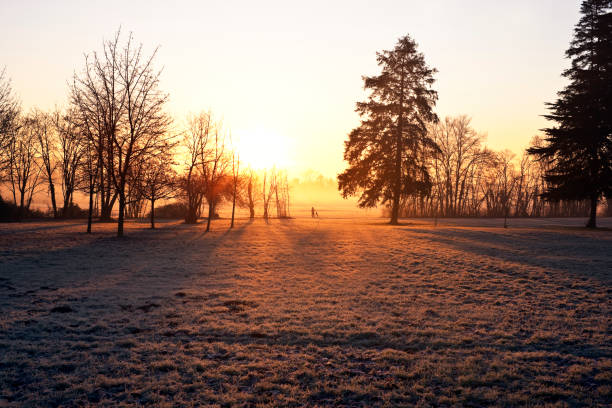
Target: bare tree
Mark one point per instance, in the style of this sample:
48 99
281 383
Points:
71 148
99 98
9 108
268 186
499 185
193 184
89 170
145 120
24 170
119 93
9 112
281 193
275 186
214 166
158 180
507 181
90 174
235 181
252 191
135 202
47 151
455 163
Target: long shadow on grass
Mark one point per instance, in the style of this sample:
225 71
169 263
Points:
142 265
579 255
41 228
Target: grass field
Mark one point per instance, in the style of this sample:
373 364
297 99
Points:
344 312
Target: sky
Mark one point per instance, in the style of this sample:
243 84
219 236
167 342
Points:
284 76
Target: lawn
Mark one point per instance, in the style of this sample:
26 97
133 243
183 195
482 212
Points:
307 312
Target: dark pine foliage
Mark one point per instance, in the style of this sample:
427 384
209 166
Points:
579 147
385 154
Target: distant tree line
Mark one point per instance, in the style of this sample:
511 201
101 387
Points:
116 144
467 179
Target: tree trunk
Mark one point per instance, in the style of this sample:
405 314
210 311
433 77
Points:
397 189
67 203
152 214
107 199
210 214
52 192
90 212
22 198
251 200
398 181
121 214
104 213
395 210
278 212
593 214
233 206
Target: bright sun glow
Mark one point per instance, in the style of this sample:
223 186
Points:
261 148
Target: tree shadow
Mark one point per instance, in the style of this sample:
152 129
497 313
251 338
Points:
558 249
42 228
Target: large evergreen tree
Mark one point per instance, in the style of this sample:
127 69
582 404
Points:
385 154
579 147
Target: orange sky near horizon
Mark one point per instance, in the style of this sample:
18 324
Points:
287 75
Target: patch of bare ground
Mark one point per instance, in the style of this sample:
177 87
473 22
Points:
306 313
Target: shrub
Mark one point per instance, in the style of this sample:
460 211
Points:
11 212
73 211
172 211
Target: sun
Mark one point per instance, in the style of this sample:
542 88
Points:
261 149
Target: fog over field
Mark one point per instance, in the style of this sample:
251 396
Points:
307 312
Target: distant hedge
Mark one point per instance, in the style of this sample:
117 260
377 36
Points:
10 212
171 211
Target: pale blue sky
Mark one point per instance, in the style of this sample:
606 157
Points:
293 70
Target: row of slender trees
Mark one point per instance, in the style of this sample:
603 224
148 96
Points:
41 149
403 156
116 143
212 174
468 179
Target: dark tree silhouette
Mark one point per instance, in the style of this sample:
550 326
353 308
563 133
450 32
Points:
47 151
71 148
455 163
579 148
9 110
119 92
192 183
265 194
252 191
235 182
214 164
88 173
157 181
91 162
384 153
99 100
24 167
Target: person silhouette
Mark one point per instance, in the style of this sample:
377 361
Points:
312 212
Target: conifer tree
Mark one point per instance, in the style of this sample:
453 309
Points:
579 148
385 153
